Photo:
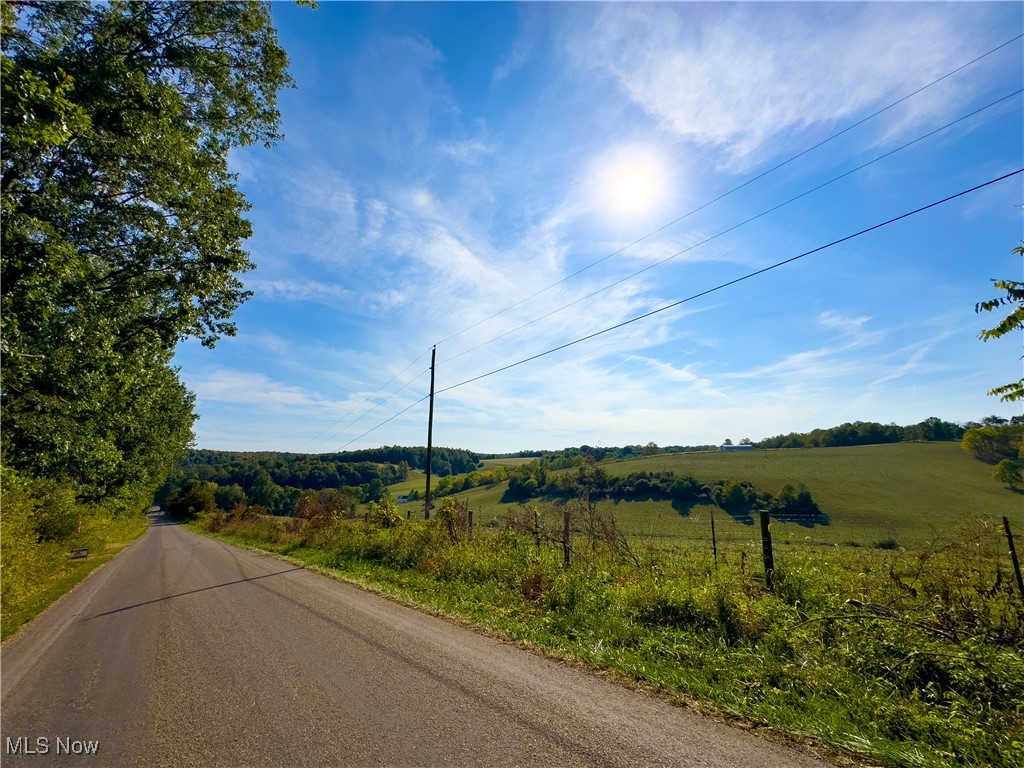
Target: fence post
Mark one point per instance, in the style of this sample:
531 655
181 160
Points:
766 551
469 514
1013 555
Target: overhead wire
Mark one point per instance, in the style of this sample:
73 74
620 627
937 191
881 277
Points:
649 267
721 286
663 228
735 189
392 418
352 410
733 227
696 296
388 398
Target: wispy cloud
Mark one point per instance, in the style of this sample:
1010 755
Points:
468 151
299 290
255 390
738 76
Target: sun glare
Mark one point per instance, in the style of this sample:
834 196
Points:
632 184
633 190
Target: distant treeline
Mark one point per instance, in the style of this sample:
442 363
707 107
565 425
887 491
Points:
570 457
278 480
867 433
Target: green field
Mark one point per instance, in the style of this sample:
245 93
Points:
907 492
890 632
416 481
514 461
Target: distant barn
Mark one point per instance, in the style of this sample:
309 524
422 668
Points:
735 447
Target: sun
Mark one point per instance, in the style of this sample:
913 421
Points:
632 182
632 190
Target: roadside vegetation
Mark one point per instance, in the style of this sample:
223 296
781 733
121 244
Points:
122 234
906 657
42 522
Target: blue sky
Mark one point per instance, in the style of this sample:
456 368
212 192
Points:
445 162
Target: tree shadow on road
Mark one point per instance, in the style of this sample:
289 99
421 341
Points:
189 592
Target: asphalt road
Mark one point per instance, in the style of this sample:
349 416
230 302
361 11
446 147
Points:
184 651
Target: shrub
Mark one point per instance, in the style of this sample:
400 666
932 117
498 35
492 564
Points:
194 499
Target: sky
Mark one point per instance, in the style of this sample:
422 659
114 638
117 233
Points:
503 181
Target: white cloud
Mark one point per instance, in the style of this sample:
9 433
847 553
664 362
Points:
467 151
738 76
255 390
299 290
375 217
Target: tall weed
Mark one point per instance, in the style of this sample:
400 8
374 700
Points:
909 658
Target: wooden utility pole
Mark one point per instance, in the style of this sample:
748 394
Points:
430 431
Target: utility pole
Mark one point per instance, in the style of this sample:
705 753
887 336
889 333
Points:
430 431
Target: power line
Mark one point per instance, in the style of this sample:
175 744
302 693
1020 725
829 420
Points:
666 226
352 410
387 399
736 226
374 429
734 189
695 296
735 281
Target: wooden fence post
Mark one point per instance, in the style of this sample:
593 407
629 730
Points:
766 551
1013 555
469 516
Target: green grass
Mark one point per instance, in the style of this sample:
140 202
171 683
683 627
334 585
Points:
903 658
514 461
59 583
415 481
908 492
57 574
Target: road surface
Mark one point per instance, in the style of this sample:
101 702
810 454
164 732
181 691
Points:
184 651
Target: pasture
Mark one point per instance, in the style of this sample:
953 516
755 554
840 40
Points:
910 493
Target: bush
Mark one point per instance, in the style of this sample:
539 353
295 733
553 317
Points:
194 499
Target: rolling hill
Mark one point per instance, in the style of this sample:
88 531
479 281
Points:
909 493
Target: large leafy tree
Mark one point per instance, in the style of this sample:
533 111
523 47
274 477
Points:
122 226
1013 298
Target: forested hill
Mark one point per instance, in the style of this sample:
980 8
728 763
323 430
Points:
290 468
873 433
276 480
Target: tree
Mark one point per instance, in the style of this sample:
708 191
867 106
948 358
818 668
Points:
993 421
992 444
229 496
193 499
121 225
1014 321
1007 472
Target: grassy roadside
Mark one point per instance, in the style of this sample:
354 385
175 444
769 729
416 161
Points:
58 584
904 658
55 574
